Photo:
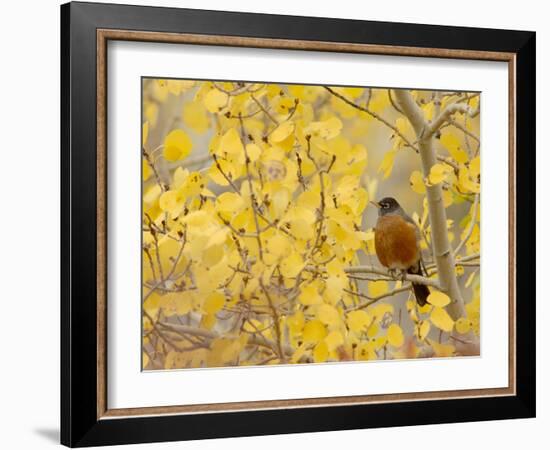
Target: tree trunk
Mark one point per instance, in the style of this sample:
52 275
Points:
443 253
442 250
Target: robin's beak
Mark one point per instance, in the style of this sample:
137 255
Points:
376 204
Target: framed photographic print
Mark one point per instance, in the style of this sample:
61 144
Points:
277 224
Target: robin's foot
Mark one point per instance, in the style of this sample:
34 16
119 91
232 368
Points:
403 275
393 273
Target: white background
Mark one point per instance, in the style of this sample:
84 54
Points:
128 387
29 363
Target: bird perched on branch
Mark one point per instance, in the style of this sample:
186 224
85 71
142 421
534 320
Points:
396 240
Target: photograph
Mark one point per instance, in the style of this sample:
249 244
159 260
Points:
295 224
271 225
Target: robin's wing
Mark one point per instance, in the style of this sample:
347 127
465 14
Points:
420 269
417 230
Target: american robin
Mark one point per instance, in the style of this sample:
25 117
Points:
396 240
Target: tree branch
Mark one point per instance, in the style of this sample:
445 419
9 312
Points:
417 279
445 116
371 300
374 115
210 335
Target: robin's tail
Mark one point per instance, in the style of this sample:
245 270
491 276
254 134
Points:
421 291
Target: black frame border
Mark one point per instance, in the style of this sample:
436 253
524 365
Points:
79 423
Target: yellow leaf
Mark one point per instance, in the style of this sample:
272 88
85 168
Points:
335 268
452 144
425 309
253 152
440 299
282 132
215 101
296 322
328 314
300 229
447 198
365 352
217 238
171 202
358 320
373 330
395 335
442 350
379 310
231 142
439 173
459 155
465 183
379 100
386 165
334 288
463 325
224 351
310 296
334 340
194 115
229 203
429 109
379 342
281 199
214 302
320 352
422 330
278 245
327 129
197 219
417 182
208 321
230 169
176 303
213 255
292 265
314 331
377 288
177 145
441 319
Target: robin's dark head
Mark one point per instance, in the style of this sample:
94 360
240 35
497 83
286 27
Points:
388 205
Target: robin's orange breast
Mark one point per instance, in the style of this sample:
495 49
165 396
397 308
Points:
395 241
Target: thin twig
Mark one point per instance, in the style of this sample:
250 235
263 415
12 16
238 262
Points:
371 300
374 115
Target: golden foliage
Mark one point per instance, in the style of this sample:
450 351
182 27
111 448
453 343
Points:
254 205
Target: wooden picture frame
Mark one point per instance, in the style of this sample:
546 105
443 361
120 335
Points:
86 418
